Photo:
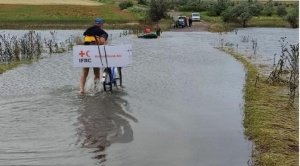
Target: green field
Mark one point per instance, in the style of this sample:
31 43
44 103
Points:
22 16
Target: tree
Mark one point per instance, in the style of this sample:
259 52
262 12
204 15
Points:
281 10
255 8
268 9
183 2
142 2
158 10
216 8
293 17
125 5
240 14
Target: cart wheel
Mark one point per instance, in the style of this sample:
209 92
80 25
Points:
104 86
110 82
106 75
115 76
110 86
120 75
107 80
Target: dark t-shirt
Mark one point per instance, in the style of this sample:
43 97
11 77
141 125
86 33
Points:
95 31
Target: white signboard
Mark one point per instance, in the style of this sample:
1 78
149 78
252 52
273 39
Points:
102 56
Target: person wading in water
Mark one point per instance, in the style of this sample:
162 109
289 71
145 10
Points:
94 35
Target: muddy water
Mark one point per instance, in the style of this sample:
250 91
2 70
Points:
267 40
181 104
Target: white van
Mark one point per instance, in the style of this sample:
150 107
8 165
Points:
196 16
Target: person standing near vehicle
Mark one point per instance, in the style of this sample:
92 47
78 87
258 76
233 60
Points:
94 35
158 31
190 21
187 21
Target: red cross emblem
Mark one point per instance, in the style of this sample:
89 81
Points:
82 53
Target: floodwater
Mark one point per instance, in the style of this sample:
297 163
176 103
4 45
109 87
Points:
181 104
268 42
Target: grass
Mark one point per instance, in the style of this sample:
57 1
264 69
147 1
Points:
26 16
269 122
205 17
217 25
14 64
264 21
140 12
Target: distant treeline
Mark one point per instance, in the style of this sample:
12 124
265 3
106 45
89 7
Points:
239 12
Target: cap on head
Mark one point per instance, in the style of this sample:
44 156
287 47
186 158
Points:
98 21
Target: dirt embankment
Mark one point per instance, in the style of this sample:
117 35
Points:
52 2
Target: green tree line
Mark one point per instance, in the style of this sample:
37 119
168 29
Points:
239 12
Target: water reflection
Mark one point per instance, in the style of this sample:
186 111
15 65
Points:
104 120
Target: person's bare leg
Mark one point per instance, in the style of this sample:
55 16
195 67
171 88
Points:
96 75
85 72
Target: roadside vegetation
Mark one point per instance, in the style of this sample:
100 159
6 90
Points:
272 108
226 14
14 64
220 15
30 47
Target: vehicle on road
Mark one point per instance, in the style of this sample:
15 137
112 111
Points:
196 16
180 22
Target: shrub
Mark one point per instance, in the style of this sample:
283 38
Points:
142 2
281 10
193 7
240 14
293 17
125 5
216 8
268 9
256 8
158 10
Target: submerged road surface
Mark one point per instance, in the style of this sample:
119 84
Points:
181 105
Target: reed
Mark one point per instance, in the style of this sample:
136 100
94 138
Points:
30 46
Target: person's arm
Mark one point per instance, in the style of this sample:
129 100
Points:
102 37
102 40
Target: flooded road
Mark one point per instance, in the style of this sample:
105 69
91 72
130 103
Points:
182 104
267 41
